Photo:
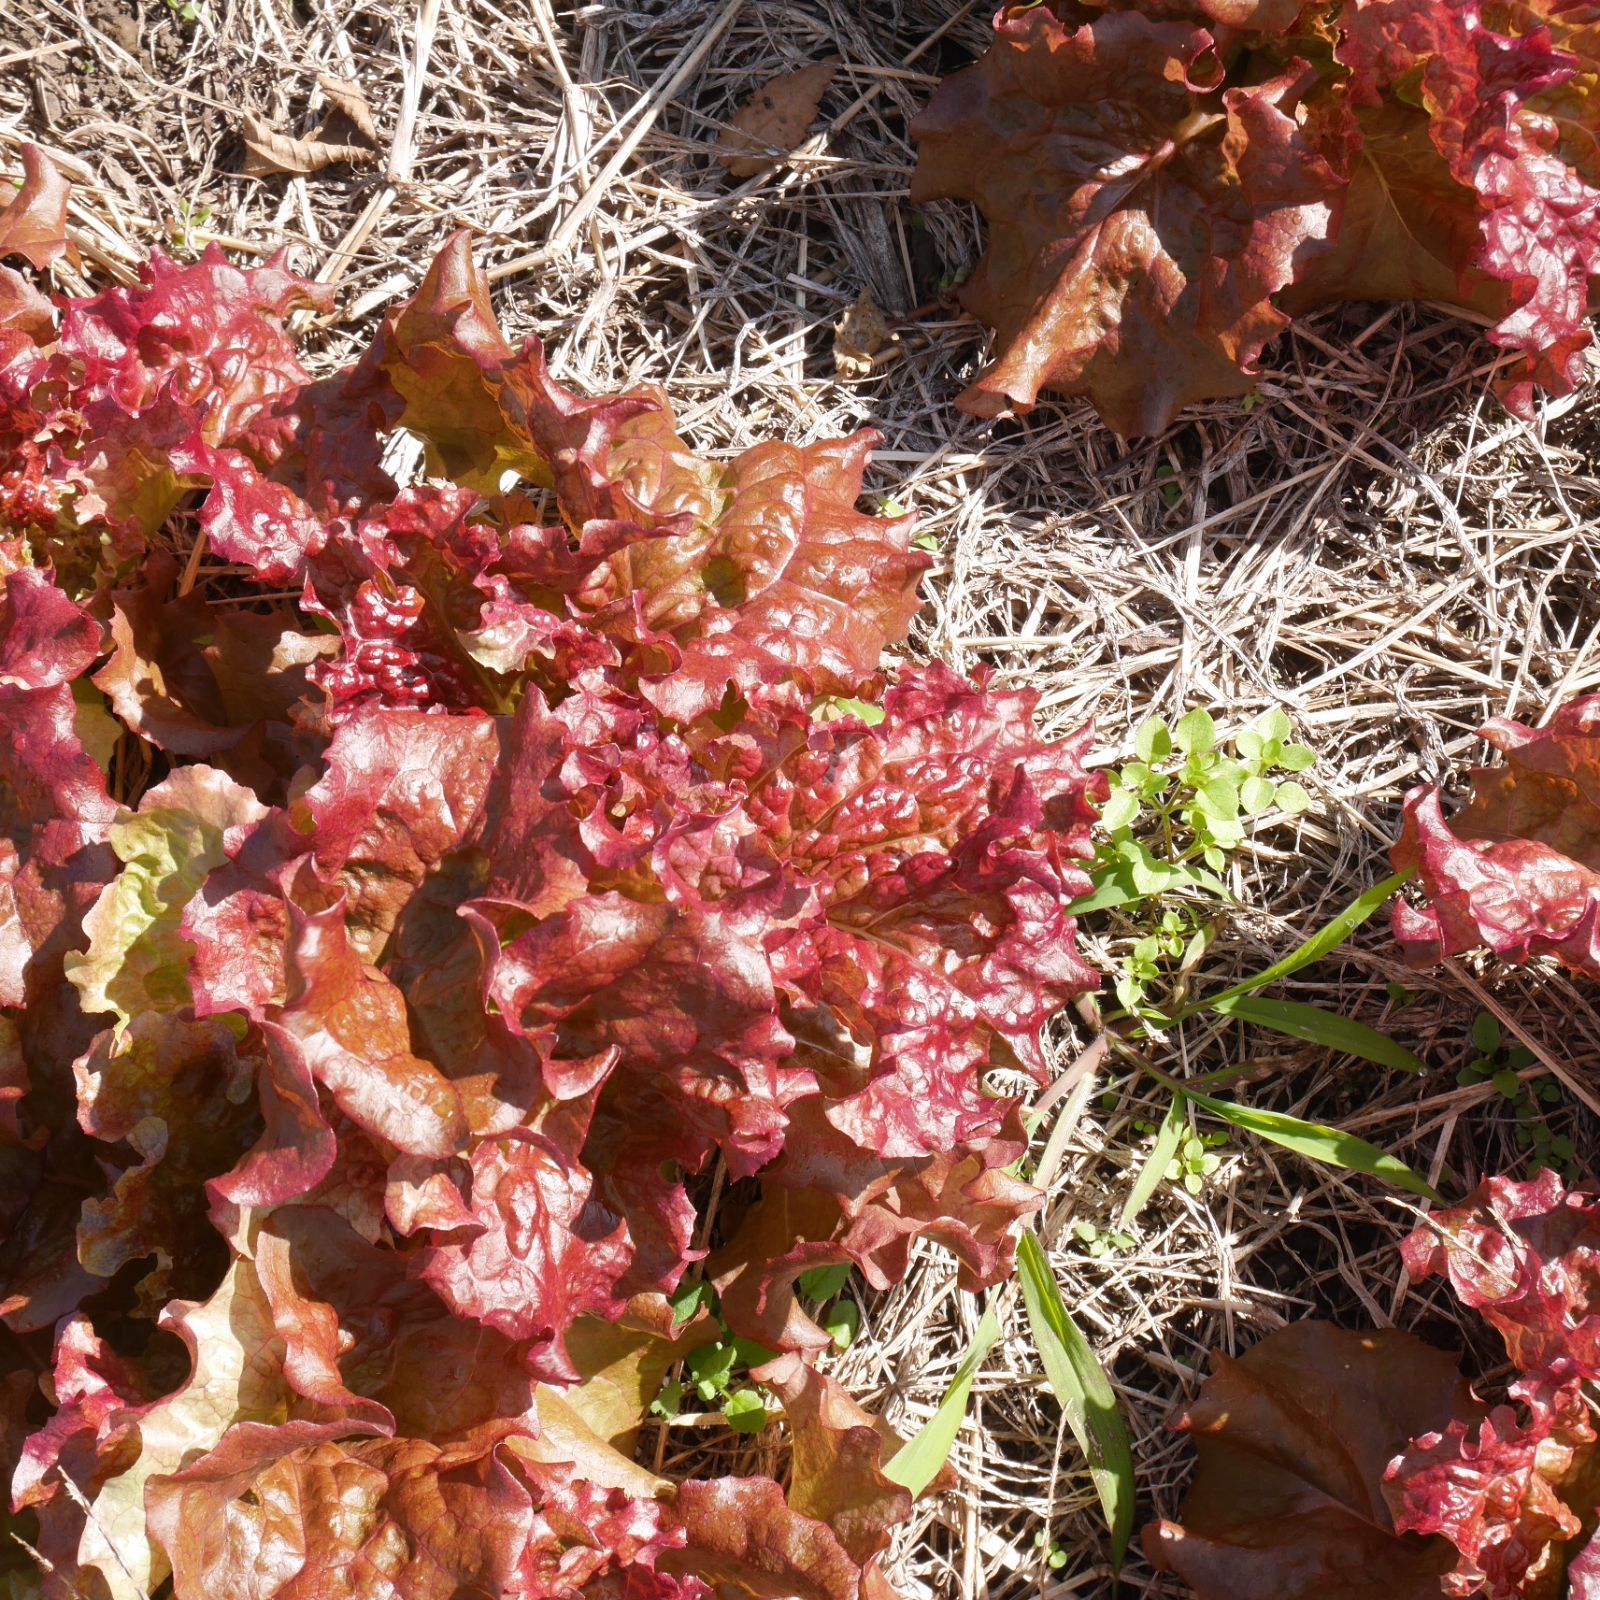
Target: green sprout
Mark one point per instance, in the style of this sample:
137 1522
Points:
1196 1160
1198 796
1532 1100
1055 1557
1099 1243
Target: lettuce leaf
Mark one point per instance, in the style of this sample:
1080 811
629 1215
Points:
1165 186
1517 869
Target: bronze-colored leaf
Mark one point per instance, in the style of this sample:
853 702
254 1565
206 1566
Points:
1293 1441
33 223
774 119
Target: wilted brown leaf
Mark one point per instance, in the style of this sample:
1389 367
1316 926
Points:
774 118
347 99
266 151
862 342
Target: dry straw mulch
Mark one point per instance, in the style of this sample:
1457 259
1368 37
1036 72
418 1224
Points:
1369 543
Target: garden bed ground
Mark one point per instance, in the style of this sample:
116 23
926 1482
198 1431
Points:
1369 542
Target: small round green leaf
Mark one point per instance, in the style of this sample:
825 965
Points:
843 1323
1152 742
1121 810
1256 795
1274 724
1196 733
745 1411
1293 799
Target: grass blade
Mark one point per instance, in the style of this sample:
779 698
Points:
1320 1143
1317 1026
1080 1384
1168 1136
919 1460
1325 940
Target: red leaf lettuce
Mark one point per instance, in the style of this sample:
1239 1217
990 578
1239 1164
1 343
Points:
410 894
1165 186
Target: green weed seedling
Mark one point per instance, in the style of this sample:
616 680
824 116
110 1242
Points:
1199 796
1532 1099
190 220
716 1374
1196 1160
1400 996
1055 1557
1098 1243
1172 818
839 1316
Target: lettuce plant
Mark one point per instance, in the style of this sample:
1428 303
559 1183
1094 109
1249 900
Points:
1516 869
1332 1462
415 889
1166 185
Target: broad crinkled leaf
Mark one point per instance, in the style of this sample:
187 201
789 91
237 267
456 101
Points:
356 1323
1141 216
209 336
444 371
295 1513
941 844
1512 1496
209 683
88 1438
1164 184
33 221
761 571
1406 225
137 959
401 792
745 1543
182 1096
684 994
236 1377
836 1471
492 880
349 1021
1527 1256
536 1251
45 639
1293 1440
828 1202
1518 867
1510 91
